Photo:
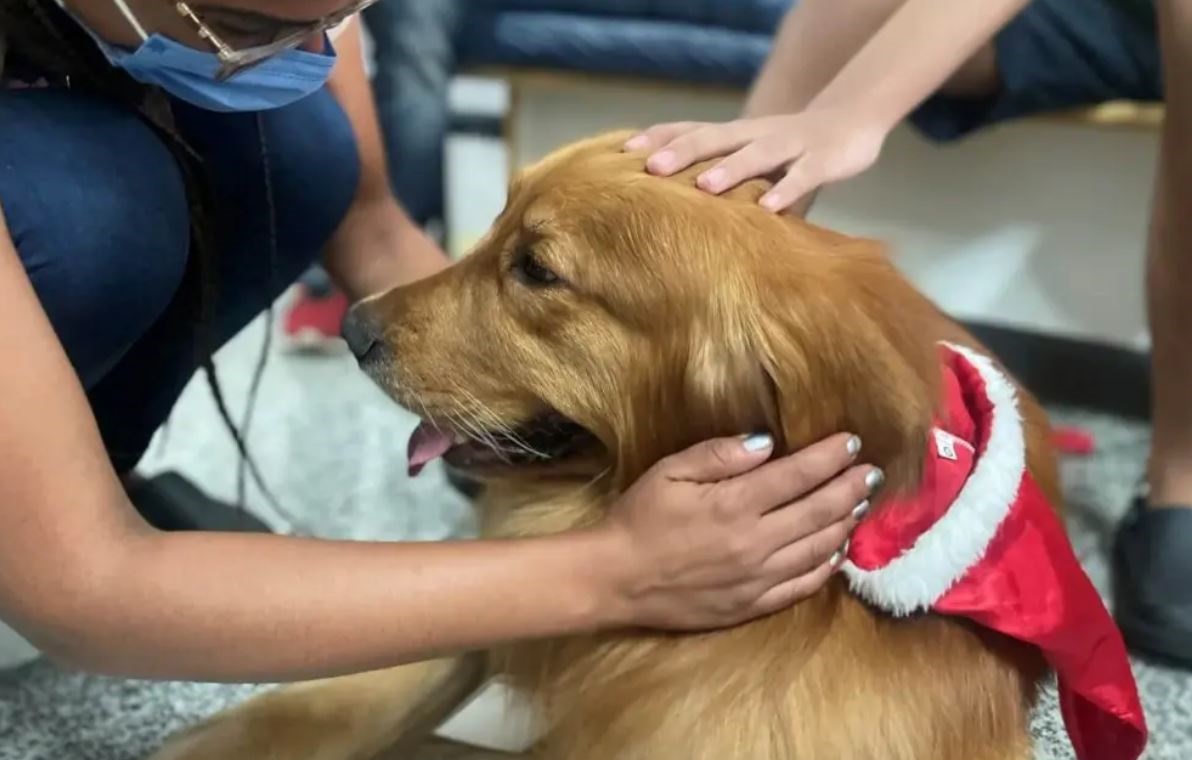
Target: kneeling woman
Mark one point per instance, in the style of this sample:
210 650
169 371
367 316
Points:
165 170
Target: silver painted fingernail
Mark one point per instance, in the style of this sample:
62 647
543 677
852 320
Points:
759 442
853 445
875 479
861 510
838 558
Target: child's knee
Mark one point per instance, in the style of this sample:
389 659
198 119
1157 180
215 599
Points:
977 77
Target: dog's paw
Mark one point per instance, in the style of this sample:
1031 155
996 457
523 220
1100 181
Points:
218 738
348 718
274 727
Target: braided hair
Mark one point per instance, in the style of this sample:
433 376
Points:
45 39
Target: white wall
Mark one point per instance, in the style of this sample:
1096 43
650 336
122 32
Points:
1038 224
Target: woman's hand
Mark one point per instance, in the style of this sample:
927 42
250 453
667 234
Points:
801 151
716 535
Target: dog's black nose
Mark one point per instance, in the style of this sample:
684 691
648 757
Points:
361 332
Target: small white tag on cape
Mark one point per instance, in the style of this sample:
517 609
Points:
945 445
497 718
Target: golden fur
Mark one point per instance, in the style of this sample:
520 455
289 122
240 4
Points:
684 316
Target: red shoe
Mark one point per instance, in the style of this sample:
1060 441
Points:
1073 441
312 322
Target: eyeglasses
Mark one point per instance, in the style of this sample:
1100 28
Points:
234 61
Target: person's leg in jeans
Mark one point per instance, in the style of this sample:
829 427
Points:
99 215
414 44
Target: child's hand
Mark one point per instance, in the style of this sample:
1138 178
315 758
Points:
799 151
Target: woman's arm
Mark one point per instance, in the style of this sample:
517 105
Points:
694 544
377 246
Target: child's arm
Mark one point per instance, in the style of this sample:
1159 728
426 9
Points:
918 49
839 133
814 42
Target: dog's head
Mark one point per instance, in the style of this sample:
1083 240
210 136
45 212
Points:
611 317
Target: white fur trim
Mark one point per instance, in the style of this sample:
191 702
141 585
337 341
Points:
957 541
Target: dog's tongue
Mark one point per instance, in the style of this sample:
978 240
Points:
427 444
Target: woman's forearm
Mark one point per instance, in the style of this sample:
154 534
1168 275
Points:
913 54
378 247
272 608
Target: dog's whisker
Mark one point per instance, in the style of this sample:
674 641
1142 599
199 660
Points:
484 414
495 425
487 426
474 430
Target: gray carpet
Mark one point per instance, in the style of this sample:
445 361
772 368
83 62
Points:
334 450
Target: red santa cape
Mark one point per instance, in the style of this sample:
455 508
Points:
979 541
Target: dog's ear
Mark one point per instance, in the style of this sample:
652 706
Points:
817 349
703 384
790 329
726 388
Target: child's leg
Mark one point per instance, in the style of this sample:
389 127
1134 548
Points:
1170 272
1154 546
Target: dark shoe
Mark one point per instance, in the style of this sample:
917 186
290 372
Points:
171 502
1152 572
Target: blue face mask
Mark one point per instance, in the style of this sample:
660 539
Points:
190 74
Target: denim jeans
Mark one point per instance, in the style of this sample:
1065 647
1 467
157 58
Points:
414 50
97 209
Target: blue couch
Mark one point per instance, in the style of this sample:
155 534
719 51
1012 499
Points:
699 41
420 44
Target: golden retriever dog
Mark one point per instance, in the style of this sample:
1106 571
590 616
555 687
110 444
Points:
611 318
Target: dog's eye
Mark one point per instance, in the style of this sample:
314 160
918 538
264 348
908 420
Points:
533 272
